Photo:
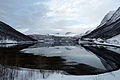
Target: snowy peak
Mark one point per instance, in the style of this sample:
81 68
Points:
109 27
106 18
110 17
115 16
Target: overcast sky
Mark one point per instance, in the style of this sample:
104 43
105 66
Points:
55 16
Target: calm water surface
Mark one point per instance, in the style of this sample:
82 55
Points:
59 61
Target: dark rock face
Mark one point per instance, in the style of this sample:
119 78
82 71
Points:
109 28
7 32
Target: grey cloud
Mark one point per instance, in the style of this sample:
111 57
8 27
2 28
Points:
32 15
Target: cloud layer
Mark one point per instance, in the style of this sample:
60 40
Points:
51 16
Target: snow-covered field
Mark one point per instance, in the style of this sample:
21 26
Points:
114 40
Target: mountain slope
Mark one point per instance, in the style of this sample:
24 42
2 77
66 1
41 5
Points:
8 33
109 27
106 18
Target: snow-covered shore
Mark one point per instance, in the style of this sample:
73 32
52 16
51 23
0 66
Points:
114 41
108 44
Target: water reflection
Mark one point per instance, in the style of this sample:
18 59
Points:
42 60
109 58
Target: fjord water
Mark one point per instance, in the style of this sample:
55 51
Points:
59 61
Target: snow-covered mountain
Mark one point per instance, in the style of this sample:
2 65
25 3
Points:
106 18
109 27
51 38
115 16
8 34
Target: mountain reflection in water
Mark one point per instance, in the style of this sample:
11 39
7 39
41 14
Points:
41 60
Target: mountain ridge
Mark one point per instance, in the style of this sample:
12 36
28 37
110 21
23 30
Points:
9 33
108 30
